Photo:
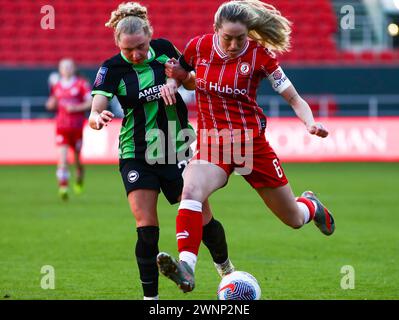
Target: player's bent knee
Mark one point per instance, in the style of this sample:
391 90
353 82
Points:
191 192
144 218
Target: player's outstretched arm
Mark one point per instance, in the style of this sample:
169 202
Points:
99 116
303 111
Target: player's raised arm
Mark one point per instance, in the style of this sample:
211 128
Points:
99 116
303 111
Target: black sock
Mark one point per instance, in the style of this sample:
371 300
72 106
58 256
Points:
215 240
146 255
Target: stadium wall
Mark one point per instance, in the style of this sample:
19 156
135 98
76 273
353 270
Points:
350 139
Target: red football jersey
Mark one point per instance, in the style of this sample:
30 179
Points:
73 92
226 88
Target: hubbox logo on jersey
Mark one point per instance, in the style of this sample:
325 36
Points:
226 89
202 85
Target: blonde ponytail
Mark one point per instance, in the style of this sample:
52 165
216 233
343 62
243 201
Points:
129 18
265 23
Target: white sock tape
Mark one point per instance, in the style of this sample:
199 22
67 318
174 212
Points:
191 205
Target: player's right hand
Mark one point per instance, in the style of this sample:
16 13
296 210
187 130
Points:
318 129
104 118
174 70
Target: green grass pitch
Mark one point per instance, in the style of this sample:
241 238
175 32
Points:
90 240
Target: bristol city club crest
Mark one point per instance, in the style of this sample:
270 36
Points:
244 68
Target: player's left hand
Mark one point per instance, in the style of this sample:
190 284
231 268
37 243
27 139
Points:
51 103
318 130
168 92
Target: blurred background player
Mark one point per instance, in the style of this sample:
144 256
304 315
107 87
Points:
70 98
229 66
135 76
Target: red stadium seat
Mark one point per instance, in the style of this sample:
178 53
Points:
368 56
80 29
387 56
348 57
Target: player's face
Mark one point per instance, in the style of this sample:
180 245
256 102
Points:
232 37
66 68
135 46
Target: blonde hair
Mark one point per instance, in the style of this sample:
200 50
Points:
265 23
129 18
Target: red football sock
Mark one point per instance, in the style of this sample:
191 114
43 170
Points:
310 206
189 227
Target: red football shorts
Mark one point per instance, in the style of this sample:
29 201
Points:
70 137
254 159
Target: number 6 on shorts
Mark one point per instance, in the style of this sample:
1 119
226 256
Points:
278 168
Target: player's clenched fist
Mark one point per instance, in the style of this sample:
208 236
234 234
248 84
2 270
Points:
318 130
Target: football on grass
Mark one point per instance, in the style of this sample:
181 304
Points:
239 285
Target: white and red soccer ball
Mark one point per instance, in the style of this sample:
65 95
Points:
239 285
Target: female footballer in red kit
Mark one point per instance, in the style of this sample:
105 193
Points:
70 98
229 66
